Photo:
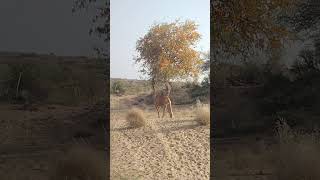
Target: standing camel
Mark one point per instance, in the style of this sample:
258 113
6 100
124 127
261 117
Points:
162 99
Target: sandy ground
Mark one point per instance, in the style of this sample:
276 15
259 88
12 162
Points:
166 148
244 158
32 140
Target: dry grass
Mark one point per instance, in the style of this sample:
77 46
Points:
135 117
203 115
81 163
298 157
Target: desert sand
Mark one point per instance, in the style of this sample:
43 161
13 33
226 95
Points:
177 148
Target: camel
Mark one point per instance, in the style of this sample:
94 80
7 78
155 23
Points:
162 99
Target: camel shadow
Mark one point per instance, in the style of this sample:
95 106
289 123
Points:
122 128
179 128
191 125
177 122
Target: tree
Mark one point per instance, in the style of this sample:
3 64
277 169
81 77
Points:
24 77
206 64
307 17
206 70
167 51
118 88
239 27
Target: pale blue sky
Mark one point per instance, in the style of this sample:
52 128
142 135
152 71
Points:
131 19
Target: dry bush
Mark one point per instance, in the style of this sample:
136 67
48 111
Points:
135 117
79 163
203 115
298 155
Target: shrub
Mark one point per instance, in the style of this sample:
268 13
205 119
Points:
203 115
201 91
306 64
24 78
118 88
135 117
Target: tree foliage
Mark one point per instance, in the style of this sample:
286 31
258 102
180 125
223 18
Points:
306 16
167 51
206 64
306 64
239 27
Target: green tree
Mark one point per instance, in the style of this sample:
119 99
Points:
167 52
118 88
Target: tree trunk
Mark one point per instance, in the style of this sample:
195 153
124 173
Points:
168 88
18 84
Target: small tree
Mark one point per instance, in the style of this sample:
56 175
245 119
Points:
167 52
23 77
118 88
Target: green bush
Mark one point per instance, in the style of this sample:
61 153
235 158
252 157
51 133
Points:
201 91
118 88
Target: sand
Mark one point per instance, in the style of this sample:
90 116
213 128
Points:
32 140
177 148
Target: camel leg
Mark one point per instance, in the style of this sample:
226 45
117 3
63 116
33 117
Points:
157 108
164 110
170 110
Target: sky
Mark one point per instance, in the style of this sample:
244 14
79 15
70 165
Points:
131 20
44 26
49 26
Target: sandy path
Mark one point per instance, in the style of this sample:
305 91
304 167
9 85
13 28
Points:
166 149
